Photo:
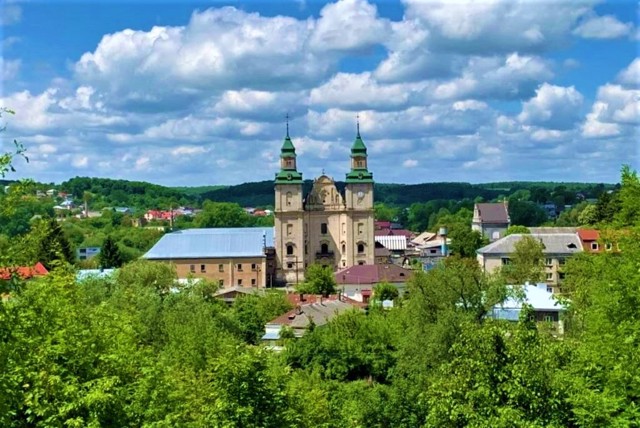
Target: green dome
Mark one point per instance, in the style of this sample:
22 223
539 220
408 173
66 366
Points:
287 150
358 147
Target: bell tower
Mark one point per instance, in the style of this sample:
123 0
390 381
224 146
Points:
288 216
359 204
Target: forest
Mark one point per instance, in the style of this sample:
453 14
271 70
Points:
137 349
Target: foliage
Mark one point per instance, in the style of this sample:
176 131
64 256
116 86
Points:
465 242
526 213
517 229
110 254
318 279
6 159
45 243
526 263
385 291
252 312
222 214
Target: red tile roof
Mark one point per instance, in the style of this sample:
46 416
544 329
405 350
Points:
373 274
588 234
25 272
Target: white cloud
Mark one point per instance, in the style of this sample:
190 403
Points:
188 150
603 27
496 26
80 161
10 14
348 25
553 107
615 111
9 68
361 91
410 163
169 67
513 76
469 105
630 76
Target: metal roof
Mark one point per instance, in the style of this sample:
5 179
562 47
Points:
212 243
559 243
392 242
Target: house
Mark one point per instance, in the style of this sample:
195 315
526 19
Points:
85 253
396 244
491 220
51 192
229 295
24 272
590 240
381 254
241 257
317 312
545 307
353 280
557 247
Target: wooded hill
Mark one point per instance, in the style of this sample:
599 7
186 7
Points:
260 194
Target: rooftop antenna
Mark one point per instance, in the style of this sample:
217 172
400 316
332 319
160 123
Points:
358 125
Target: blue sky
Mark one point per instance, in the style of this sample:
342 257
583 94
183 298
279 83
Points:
182 93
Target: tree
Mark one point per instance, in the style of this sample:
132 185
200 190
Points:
526 213
6 159
588 216
526 262
110 256
384 212
629 197
222 214
517 229
319 279
464 241
385 291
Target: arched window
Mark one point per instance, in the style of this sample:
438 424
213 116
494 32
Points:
324 249
344 248
289 250
360 248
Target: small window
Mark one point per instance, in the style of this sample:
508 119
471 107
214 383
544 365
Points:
289 250
548 318
562 261
220 268
401 273
344 248
572 246
548 262
221 283
192 268
323 228
254 267
594 246
324 249
561 275
361 262
289 265
549 276
239 282
506 261
239 267
549 289
253 281
433 251
360 248
203 268
608 246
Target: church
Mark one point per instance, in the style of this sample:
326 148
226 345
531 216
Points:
325 226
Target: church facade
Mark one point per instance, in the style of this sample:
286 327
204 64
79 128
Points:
325 226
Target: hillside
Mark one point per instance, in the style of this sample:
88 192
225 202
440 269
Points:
143 195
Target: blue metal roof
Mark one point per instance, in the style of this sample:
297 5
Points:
213 243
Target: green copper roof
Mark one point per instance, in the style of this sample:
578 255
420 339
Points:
288 177
358 147
287 151
359 176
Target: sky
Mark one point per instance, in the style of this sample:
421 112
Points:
196 93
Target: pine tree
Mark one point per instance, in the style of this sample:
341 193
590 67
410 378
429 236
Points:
110 256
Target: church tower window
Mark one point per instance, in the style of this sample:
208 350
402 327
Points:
289 250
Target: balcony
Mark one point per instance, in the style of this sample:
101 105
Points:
325 255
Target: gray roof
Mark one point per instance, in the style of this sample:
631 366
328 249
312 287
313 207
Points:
212 243
559 243
547 230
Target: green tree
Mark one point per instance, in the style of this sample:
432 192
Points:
526 263
384 212
517 229
110 256
319 279
464 241
222 214
6 159
385 291
629 197
526 213
588 216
